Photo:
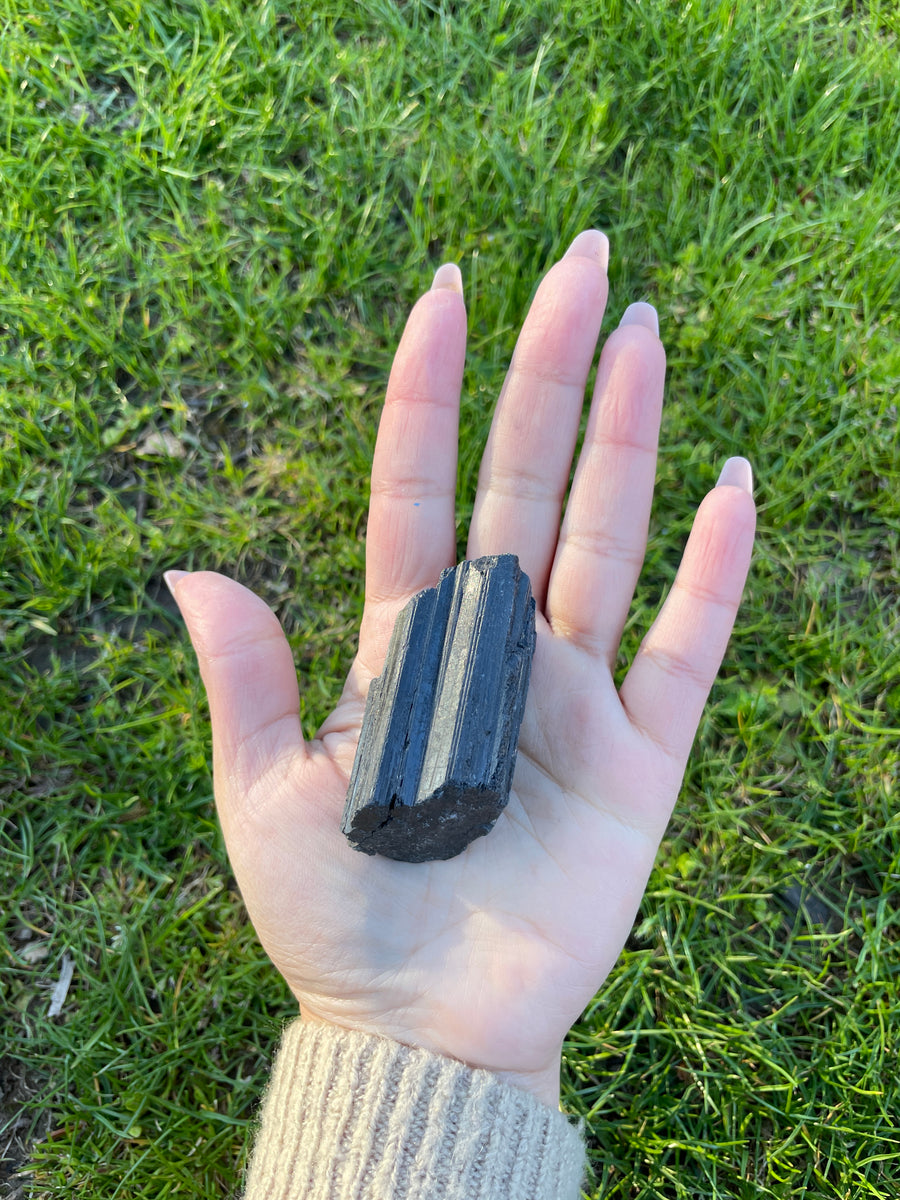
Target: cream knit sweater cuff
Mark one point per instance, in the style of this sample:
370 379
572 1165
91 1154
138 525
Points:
352 1115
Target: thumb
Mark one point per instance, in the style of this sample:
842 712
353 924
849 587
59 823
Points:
248 671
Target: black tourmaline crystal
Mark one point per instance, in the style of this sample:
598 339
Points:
438 743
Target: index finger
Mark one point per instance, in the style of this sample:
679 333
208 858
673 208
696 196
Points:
411 533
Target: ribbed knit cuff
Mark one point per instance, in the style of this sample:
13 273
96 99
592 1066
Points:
352 1115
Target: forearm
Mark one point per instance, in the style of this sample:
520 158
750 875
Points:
351 1115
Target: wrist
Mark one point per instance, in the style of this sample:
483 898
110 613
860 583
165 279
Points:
542 1083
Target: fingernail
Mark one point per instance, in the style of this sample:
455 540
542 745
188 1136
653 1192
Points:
172 577
737 472
641 313
591 243
448 276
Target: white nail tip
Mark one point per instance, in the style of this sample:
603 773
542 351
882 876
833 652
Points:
737 472
641 313
449 276
591 243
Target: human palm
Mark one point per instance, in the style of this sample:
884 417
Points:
490 956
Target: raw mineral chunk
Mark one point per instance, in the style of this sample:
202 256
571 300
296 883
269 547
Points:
438 744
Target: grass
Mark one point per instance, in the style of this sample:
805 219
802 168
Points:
213 219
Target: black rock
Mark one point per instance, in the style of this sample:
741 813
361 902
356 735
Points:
438 744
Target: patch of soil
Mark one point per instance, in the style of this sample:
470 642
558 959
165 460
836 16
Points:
20 1127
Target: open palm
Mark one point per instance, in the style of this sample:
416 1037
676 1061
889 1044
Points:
488 957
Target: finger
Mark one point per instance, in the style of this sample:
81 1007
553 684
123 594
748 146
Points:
248 671
525 469
411 535
604 534
669 680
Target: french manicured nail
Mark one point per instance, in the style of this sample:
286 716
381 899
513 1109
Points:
641 313
591 243
448 275
737 472
172 577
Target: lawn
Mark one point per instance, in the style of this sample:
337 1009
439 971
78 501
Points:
213 219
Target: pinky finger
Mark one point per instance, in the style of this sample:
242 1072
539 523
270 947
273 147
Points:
670 678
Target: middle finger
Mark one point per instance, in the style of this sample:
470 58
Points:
526 463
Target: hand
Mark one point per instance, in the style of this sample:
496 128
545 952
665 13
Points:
491 956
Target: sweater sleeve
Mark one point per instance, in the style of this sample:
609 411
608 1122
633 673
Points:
350 1115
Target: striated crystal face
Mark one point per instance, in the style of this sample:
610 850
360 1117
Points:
438 744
